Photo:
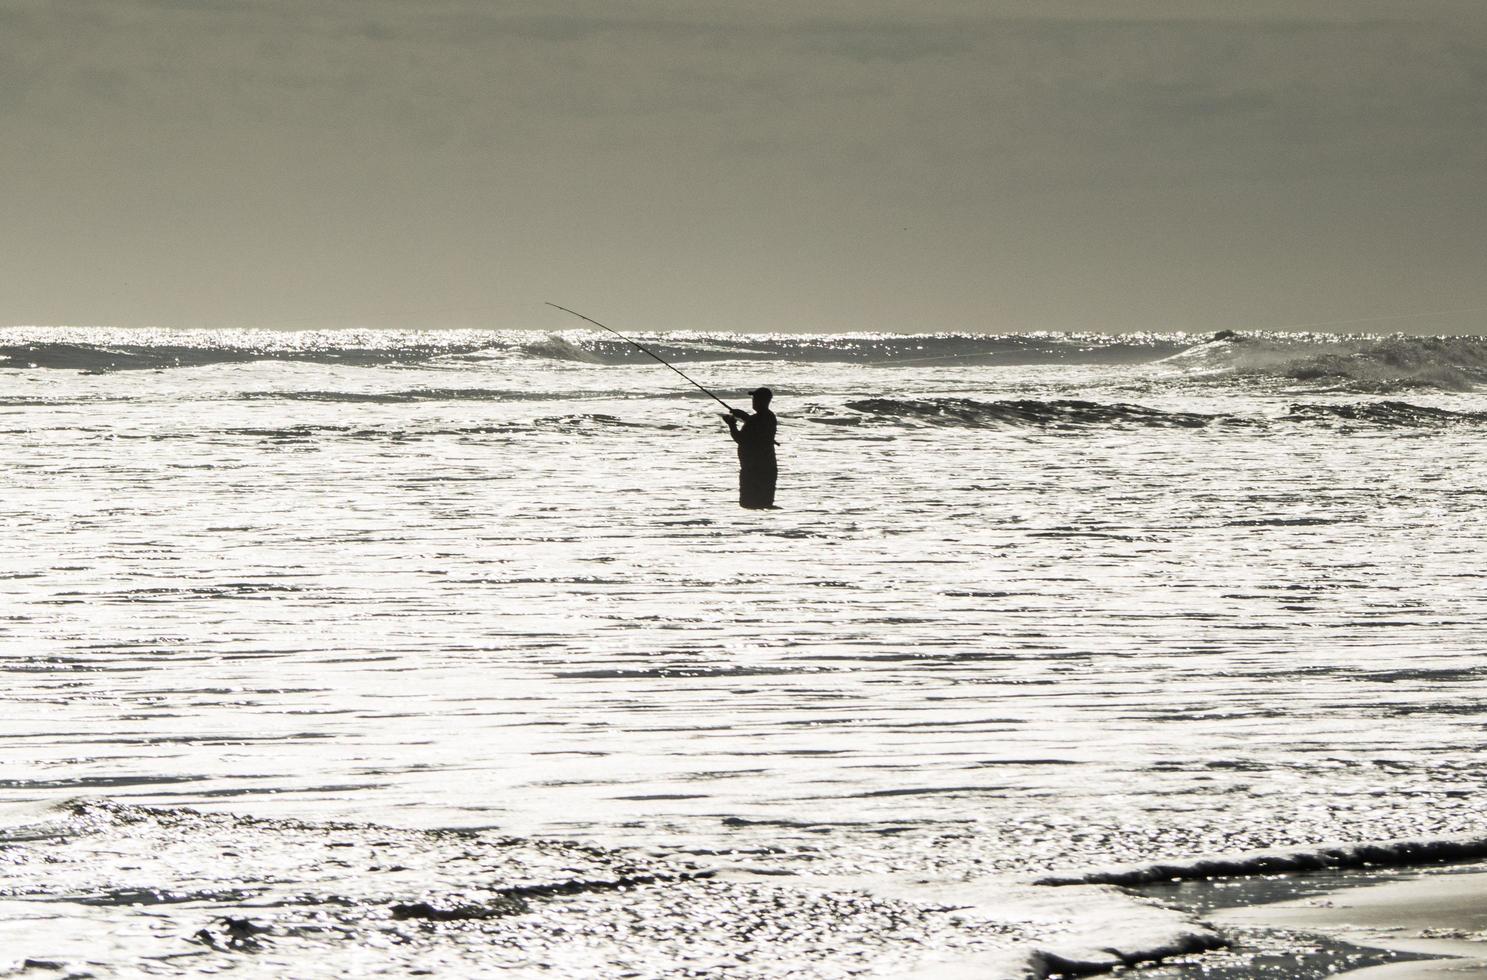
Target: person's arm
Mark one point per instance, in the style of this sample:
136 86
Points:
732 421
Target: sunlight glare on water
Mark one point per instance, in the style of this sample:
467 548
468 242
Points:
1016 612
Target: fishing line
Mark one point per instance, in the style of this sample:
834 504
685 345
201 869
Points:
646 350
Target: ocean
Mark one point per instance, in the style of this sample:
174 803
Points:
375 652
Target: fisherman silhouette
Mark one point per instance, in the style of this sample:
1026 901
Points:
757 468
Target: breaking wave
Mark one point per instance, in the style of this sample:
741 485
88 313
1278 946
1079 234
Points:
1369 364
1341 856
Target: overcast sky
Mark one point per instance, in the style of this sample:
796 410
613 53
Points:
872 165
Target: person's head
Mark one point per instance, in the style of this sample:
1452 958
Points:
761 398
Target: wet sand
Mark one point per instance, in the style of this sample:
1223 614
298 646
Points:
1416 923
1436 914
1453 969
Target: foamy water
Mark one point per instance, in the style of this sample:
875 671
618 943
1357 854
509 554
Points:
1033 604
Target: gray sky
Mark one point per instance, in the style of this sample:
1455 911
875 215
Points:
872 165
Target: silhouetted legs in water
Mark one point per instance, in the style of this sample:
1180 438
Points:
756 481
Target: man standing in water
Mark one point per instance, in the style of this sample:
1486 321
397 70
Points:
757 469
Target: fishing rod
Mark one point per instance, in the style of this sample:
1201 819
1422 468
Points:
646 350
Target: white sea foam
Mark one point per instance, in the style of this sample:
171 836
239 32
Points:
1366 363
1075 930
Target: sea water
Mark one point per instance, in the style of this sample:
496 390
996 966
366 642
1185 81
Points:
300 629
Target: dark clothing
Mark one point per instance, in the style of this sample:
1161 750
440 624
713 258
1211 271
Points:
757 468
756 484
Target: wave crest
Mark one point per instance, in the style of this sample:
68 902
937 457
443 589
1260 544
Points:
1383 413
1370 364
870 349
1363 854
99 349
106 358
1070 414
1057 413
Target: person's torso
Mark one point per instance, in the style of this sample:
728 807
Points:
756 438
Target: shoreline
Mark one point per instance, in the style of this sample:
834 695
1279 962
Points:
1403 923
531 896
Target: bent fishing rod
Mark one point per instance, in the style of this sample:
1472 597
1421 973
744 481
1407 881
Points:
646 350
